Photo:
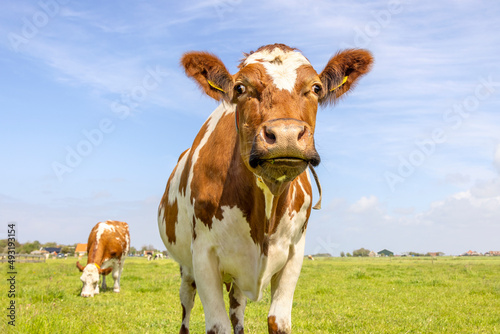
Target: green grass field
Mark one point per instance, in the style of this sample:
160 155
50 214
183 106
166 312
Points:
335 295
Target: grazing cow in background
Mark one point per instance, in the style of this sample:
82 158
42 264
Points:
236 206
108 245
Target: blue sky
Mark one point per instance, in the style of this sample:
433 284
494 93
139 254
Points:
96 110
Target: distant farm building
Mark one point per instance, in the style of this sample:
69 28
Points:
385 252
41 251
53 250
81 250
372 254
492 253
471 253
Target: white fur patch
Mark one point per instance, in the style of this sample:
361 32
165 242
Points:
280 65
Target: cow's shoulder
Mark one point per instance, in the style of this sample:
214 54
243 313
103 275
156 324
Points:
215 160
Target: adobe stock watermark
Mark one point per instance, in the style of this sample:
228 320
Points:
31 26
453 119
123 109
381 20
225 6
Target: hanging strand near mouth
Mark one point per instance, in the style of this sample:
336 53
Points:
317 206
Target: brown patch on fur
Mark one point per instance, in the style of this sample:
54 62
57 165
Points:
184 330
170 211
214 330
272 326
210 172
184 173
183 312
233 303
170 218
194 228
296 202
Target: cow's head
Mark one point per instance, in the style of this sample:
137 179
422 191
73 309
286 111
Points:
276 93
90 279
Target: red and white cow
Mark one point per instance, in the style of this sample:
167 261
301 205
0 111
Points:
236 206
107 248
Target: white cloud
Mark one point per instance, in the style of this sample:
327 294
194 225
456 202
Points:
365 204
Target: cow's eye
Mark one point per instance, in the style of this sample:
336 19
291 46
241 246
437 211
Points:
316 88
240 89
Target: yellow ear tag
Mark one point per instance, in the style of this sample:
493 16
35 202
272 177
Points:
215 86
343 82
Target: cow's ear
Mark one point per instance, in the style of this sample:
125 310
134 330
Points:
342 72
210 73
79 266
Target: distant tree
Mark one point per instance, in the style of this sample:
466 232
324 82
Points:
133 250
28 247
348 255
415 254
147 248
4 246
49 244
68 250
361 252
342 254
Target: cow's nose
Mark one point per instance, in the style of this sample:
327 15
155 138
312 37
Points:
286 134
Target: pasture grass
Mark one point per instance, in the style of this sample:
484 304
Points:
334 295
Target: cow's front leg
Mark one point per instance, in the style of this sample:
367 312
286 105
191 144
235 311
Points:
103 284
209 285
117 273
279 320
104 273
237 304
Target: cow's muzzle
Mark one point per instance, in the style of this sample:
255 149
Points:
282 149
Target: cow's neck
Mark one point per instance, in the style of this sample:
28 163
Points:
96 255
265 217
272 194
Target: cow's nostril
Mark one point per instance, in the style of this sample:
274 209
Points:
302 133
269 136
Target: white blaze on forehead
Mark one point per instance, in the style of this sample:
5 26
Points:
280 65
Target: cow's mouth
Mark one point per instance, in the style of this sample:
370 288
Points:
281 169
291 161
